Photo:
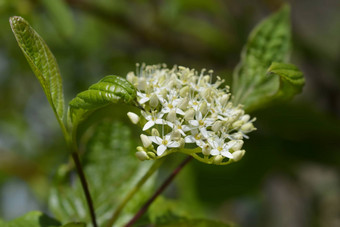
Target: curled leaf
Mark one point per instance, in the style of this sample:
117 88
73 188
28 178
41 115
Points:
291 79
109 90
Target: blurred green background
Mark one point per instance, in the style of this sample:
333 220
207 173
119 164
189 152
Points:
290 175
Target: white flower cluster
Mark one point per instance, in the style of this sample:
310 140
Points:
184 111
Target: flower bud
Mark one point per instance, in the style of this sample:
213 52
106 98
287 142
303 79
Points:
131 78
224 99
151 154
207 93
248 127
206 78
134 118
171 84
145 140
184 104
175 135
235 144
163 93
181 143
245 118
154 101
142 84
216 126
184 91
237 136
162 78
189 114
154 132
206 149
238 112
237 124
218 159
238 155
142 155
203 108
140 148
171 116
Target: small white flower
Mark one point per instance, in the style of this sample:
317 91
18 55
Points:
195 137
164 143
219 147
143 97
172 104
201 123
152 118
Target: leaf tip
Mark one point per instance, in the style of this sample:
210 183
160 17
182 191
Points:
14 19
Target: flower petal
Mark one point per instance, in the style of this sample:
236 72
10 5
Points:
161 149
144 100
148 125
227 154
179 111
161 121
214 152
173 144
194 123
190 139
156 139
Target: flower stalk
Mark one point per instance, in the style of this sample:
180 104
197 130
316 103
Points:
159 191
134 190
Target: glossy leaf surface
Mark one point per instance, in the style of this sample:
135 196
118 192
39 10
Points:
42 62
109 90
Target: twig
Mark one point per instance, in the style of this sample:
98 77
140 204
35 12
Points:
127 198
158 192
85 187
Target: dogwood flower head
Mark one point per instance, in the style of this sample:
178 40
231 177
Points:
184 111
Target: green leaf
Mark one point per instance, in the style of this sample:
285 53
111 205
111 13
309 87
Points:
111 169
291 79
195 223
33 219
109 90
164 210
61 15
269 42
42 62
75 224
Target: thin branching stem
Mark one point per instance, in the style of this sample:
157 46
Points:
75 156
85 187
134 190
158 192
